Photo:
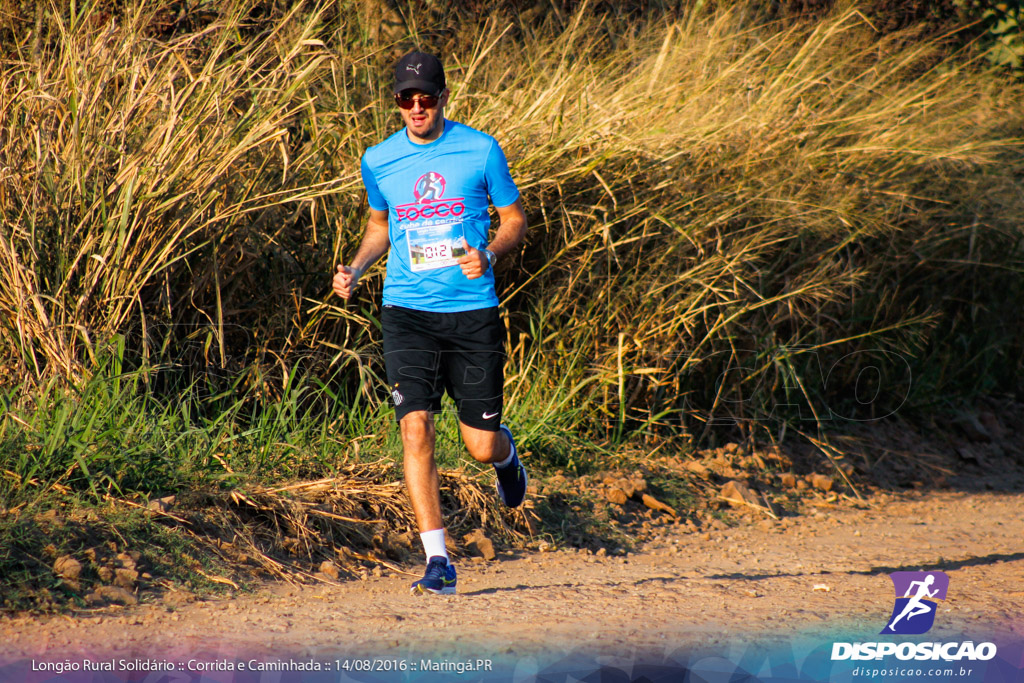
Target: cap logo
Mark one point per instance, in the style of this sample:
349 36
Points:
410 67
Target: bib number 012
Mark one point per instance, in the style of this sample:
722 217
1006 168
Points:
435 246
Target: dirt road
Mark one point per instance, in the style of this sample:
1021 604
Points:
824 572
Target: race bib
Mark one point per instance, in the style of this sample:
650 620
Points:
435 246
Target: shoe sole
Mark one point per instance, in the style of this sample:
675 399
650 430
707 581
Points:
421 590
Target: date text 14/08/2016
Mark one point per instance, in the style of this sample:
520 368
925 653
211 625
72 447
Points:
449 666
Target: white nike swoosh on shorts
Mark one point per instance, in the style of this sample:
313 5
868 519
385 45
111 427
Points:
488 417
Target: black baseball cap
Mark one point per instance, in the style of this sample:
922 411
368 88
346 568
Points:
419 71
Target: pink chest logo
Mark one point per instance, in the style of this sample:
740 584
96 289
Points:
427 193
428 187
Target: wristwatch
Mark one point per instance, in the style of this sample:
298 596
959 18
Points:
491 258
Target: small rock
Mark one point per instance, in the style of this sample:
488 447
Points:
601 552
174 598
126 560
106 574
616 496
731 448
822 482
802 485
114 594
479 544
788 480
378 572
992 424
48 517
162 504
738 494
407 540
330 570
696 468
971 426
968 453
125 578
68 567
395 547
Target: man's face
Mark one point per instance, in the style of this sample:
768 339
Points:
423 123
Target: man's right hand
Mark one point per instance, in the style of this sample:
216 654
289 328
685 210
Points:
345 281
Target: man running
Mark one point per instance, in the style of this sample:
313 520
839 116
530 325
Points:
429 187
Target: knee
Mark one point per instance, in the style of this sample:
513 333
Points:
417 426
486 447
479 454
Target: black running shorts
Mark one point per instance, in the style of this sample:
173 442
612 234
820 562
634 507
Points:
462 353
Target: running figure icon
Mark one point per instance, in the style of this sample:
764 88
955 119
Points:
915 606
430 187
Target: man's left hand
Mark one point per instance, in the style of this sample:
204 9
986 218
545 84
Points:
474 263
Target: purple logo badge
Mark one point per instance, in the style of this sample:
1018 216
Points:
917 596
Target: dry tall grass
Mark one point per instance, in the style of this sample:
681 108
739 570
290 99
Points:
737 217
147 180
712 201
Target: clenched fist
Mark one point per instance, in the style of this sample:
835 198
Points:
345 281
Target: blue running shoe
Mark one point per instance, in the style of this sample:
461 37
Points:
439 579
512 477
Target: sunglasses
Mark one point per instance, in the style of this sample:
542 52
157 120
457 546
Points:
408 100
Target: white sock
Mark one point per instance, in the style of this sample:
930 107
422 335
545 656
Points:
433 544
511 455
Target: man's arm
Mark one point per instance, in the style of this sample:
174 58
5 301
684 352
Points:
511 231
374 245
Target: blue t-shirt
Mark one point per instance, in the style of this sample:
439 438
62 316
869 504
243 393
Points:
436 194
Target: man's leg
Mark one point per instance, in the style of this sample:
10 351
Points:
421 469
424 493
410 356
485 446
498 449
472 366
